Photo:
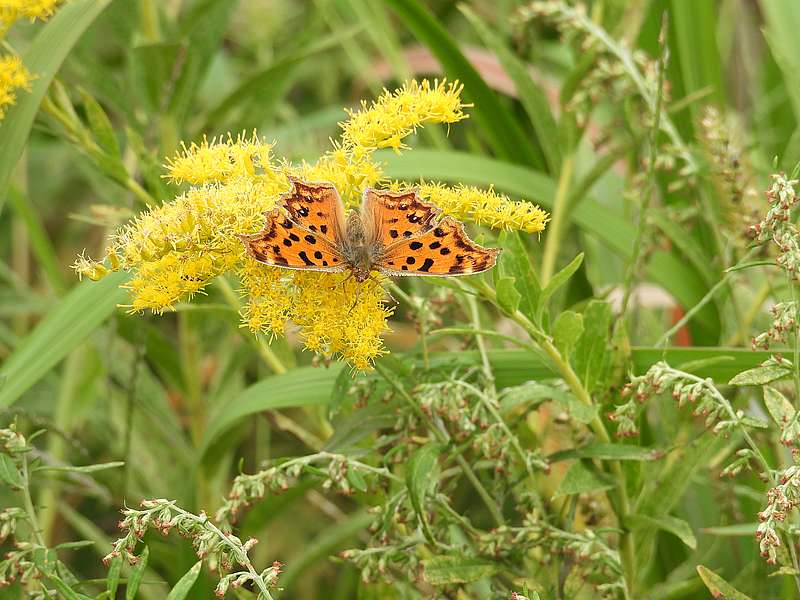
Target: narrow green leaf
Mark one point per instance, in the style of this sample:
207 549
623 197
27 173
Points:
100 125
677 527
137 573
737 530
605 451
185 583
559 279
718 587
9 473
83 469
760 375
449 570
306 386
580 478
43 58
66 592
66 326
497 123
421 476
779 407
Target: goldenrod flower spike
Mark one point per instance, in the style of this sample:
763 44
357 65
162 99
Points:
396 115
176 249
13 10
13 76
484 207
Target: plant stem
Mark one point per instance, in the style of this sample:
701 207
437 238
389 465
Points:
552 241
622 504
241 555
28 503
442 437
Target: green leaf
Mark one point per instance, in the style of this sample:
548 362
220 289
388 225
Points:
507 295
44 57
516 263
779 407
559 279
83 469
9 473
677 527
185 583
533 98
760 375
66 592
306 386
421 477
605 451
112 579
579 479
137 573
591 349
718 587
449 570
737 530
100 125
567 329
356 479
497 123
66 326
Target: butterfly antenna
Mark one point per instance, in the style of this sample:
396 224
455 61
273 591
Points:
358 293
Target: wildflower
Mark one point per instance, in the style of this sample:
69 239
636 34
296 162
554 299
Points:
176 249
13 76
397 114
485 207
14 10
781 501
777 224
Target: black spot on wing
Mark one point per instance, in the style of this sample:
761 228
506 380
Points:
287 242
426 266
434 245
304 257
323 229
294 237
410 260
415 245
310 239
318 255
444 251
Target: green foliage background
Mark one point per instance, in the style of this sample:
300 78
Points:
185 400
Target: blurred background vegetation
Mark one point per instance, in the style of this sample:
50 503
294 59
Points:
188 400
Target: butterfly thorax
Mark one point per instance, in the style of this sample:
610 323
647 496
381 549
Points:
356 249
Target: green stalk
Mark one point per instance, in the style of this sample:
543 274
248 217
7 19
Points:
552 242
621 504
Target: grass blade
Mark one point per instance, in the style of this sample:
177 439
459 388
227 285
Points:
81 311
500 128
43 59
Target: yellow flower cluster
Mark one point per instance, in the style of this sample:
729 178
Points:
395 115
176 249
13 76
13 10
485 207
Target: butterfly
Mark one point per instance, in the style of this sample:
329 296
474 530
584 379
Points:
394 233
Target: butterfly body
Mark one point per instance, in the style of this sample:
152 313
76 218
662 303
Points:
394 233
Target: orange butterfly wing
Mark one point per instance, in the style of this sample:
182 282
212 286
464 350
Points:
391 216
307 238
317 207
443 250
